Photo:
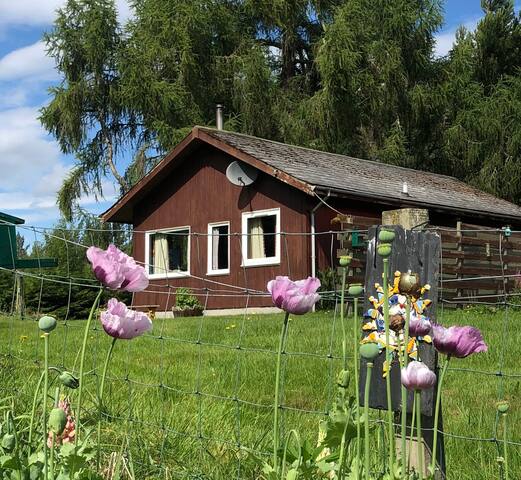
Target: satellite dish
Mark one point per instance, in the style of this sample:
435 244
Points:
241 174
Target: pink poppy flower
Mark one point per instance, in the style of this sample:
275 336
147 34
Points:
458 341
417 376
120 322
294 297
419 326
116 270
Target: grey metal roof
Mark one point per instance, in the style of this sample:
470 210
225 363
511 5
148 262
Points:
365 178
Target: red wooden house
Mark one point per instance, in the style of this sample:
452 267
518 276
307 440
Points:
194 228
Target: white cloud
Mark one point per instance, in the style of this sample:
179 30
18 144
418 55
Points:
42 12
32 165
29 62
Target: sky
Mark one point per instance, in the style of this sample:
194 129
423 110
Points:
31 164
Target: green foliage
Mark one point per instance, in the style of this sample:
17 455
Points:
185 300
329 279
357 77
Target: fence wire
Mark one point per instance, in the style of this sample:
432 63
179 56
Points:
193 398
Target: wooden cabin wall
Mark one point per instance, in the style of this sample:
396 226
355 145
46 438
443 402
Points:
199 193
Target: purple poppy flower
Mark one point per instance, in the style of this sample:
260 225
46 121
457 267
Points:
417 376
120 322
116 270
458 341
419 326
294 297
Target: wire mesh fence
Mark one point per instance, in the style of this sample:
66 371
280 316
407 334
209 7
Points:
194 397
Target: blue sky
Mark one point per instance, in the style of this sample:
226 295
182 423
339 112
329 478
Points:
30 161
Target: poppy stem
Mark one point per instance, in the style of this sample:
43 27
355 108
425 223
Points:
357 381
100 400
33 411
505 447
417 393
411 434
53 435
282 341
369 370
404 390
342 319
388 360
82 364
45 390
436 416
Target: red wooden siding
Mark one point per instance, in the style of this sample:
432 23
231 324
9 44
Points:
199 193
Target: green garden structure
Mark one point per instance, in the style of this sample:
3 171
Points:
10 261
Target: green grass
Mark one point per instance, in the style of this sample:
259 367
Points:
188 397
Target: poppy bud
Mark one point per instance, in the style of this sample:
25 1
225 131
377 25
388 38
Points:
355 290
369 351
57 420
345 260
343 378
8 442
69 380
502 406
386 236
384 249
47 324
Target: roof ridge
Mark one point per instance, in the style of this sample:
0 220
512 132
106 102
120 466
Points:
300 147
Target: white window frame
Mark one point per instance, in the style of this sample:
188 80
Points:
255 262
209 270
174 274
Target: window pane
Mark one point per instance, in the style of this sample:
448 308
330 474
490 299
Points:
219 249
261 236
169 252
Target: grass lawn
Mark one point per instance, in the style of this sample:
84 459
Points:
196 389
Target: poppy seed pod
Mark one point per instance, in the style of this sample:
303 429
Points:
503 406
384 249
47 324
369 351
409 283
57 420
386 236
355 290
69 380
345 260
8 442
343 378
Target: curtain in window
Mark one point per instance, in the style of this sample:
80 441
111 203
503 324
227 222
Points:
256 238
161 260
215 248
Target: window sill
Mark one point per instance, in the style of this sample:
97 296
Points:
163 276
261 262
215 273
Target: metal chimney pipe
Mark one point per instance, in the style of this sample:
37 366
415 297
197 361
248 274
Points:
219 116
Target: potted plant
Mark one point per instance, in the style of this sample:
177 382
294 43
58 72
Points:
186 304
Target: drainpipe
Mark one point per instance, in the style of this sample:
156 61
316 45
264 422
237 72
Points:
313 235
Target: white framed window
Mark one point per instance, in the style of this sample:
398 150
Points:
218 248
261 237
167 252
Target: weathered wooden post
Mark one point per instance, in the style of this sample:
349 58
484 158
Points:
419 252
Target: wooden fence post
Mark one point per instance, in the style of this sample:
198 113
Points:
419 252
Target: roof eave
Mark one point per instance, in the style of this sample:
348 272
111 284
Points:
116 213
403 200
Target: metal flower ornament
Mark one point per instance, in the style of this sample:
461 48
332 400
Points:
406 305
